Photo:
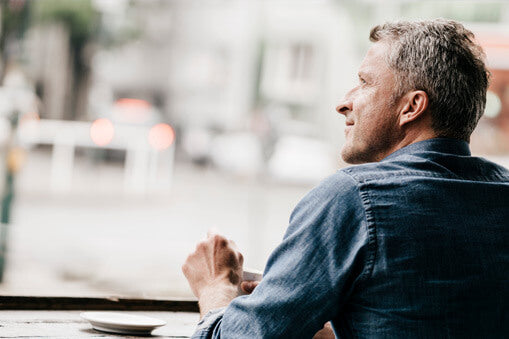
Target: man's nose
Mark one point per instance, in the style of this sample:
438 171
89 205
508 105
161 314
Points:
344 106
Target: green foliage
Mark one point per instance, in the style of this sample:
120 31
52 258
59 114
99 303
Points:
78 15
14 19
469 11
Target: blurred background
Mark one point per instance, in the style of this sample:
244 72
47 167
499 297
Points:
128 128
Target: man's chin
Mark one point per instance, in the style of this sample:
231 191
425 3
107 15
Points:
352 157
347 155
353 161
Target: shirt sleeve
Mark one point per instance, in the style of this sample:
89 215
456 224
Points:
210 321
310 275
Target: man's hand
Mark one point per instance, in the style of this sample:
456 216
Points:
248 286
214 272
325 333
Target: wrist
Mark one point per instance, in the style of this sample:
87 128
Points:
216 295
219 289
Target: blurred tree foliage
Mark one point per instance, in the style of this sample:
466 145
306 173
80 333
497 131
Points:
82 22
14 18
78 16
14 22
466 11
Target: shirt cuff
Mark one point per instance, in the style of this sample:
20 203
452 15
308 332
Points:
208 323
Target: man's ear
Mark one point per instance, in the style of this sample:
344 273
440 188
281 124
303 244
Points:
415 104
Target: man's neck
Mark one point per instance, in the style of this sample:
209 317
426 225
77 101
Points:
409 138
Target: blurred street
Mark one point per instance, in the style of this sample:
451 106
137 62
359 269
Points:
145 123
98 240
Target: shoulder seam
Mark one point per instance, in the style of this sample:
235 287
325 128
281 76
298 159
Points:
361 179
371 229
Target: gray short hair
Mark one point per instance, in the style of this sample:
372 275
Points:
441 58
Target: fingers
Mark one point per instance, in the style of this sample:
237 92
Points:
249 286
217 239
216 253
240 257
212 232
325 333
220 251
221 241
215 261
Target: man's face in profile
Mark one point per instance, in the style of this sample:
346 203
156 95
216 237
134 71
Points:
370 110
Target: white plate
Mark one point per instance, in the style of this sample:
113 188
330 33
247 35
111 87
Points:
123 323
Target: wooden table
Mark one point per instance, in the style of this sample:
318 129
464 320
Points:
63 319
69 324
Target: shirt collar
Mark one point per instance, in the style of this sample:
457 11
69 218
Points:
441 145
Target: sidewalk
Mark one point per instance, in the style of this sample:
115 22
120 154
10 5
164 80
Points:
99 241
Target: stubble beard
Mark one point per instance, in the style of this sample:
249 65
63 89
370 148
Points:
373 148
357 155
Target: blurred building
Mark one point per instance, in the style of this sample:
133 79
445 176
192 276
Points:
274 69
212 64
250 87
495 41
222 67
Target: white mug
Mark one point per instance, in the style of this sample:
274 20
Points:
250 274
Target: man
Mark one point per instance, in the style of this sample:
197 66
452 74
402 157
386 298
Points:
411 244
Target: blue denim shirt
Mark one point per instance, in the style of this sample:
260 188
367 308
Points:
414 246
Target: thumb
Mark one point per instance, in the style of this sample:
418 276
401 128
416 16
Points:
249 286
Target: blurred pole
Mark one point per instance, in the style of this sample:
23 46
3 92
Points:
7 197
168 167
12 164
62 162
136 169
5 217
